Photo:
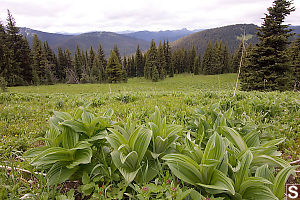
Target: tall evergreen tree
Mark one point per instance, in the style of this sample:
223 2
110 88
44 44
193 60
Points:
191 59
139 62
78 65
60 71
197 65
225 60
19 70
268 65
208 59
113 69
236 58
168 57
161 61
151 61
103 62
295 60
116 50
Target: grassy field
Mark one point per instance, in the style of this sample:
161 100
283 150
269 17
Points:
25 111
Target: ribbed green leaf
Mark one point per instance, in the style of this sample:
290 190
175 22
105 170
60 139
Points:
139 142
280 180
220 182
271 160
69 138
242 174
253 182
260 192
59 173
252 139
62 115
52 155
184 168
77 126
120 137
81 156
130 160
234 137
265 172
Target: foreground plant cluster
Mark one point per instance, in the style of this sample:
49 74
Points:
213 156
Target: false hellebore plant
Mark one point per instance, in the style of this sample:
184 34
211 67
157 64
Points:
68 144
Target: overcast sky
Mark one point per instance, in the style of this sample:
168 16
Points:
75 16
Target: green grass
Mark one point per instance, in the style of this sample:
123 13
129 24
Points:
25 111
182 83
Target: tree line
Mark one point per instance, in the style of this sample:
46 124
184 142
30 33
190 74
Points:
272 64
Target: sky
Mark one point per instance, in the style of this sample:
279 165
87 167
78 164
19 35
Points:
78 16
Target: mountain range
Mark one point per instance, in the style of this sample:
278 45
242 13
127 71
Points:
127 42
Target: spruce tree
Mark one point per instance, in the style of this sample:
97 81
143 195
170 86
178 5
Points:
197 65
103 63
161 61
78 63
236 58
268 65
151 60
37 58
191 59
60 71
295 60
116 50
113 69
19 70
139 62
168 57
225 60
208 59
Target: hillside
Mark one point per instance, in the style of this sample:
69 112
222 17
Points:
228 34
127 45
53 38
170 35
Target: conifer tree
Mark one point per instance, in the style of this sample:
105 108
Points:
295 60
113 68
268 65
95 71
191 59
161 61
155 74
168 57
139 62
78 63
37 58
103 62
4 55
19 70
60 71
236 58
197 65
116 50
225 60
208 59
151 60
133 72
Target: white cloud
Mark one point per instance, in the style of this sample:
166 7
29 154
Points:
117 15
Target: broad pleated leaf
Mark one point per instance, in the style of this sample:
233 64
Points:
271 160
184 168
280 180
81 156
260 192
265 172
59 173
52 155
242 174
253 182
220 182
234 137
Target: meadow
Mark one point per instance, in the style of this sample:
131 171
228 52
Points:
25 113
